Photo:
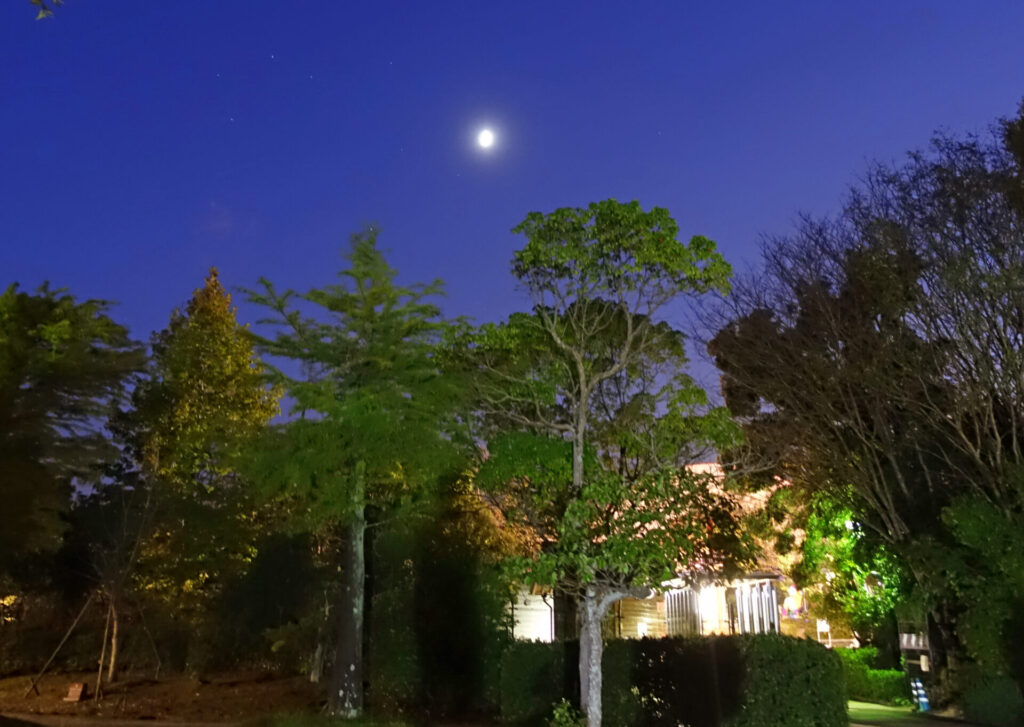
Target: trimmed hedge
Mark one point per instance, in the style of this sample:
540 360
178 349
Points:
719 681
885 686
993 700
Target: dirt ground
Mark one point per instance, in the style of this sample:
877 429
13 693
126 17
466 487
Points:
226 698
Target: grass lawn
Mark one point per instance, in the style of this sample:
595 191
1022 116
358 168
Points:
867 713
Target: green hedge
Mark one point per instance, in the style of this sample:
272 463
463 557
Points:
991 699
721 681
864 683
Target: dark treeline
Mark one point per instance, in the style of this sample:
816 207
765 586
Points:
876 363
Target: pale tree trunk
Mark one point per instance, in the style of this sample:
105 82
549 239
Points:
112 668
316 670
577 463
579 435
346 696
593 607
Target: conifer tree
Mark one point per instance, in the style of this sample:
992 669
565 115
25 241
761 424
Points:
204 403
371 414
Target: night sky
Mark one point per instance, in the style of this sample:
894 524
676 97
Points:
145 141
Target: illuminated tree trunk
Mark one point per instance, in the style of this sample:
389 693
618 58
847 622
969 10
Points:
593 607
346 697
114 621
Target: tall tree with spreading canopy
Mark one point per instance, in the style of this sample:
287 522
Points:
63 369
372 413
591 414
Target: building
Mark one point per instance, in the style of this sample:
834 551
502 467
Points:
747 605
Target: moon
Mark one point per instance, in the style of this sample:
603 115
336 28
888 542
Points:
485 138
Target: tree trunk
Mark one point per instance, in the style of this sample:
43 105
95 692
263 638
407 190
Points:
593 607
346 696
578 441
316 669
112 668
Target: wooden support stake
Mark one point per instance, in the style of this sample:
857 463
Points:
103 656
33 686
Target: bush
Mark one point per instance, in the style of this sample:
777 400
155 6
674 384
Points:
864 683
733 681
535 677
566 715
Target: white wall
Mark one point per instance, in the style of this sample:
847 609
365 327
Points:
534 618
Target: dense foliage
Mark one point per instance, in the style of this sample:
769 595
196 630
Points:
64 366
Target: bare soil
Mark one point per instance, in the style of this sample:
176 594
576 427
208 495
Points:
235 697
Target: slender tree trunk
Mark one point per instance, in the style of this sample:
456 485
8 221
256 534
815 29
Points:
316 671
578 439
593 607
112 668
346 697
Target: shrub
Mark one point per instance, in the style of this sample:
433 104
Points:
794 682
566 715
865 656
885 686
724 681
534 678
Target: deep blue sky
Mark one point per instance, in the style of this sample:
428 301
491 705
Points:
144 141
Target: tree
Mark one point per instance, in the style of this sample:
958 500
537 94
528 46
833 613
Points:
371 424
63 366
851 579
207 398
878 356
203 404
597 415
